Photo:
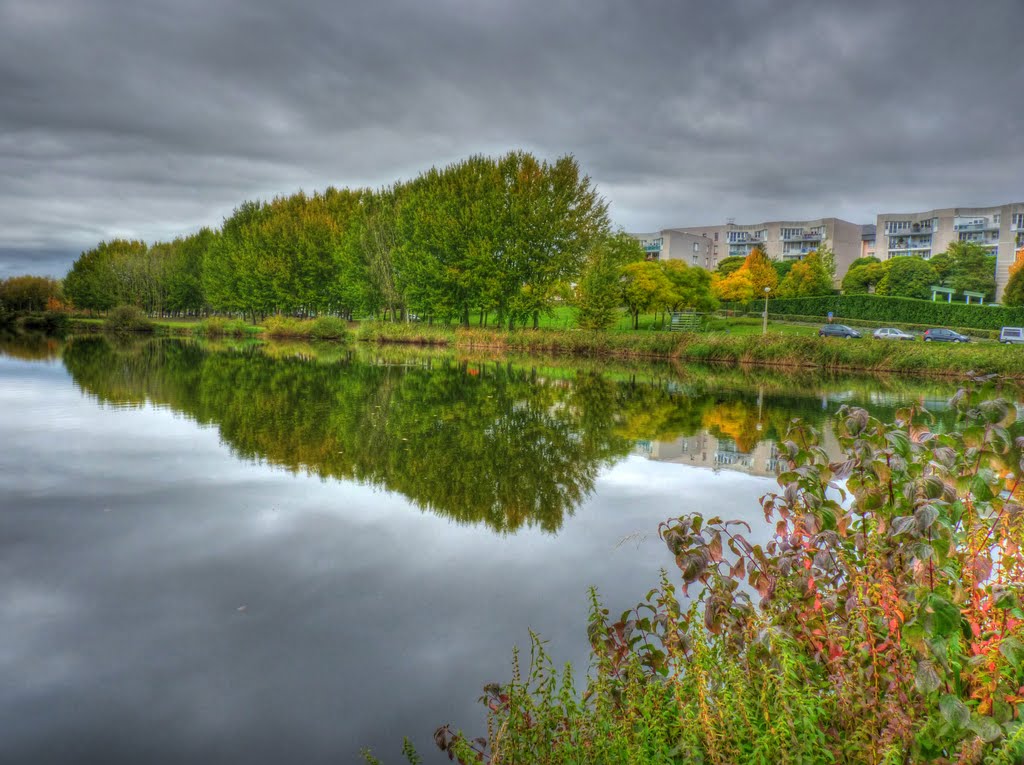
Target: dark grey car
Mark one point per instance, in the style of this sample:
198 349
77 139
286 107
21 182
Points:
944 336
838 330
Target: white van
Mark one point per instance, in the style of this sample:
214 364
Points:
1012 335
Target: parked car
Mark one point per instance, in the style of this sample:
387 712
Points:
944 336
1012 335
838 330
891 333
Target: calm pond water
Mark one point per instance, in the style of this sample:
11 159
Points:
221 553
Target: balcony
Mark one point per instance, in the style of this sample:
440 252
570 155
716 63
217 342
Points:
804 236
652 248
917 228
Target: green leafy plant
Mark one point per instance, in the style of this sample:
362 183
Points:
128 318
881 624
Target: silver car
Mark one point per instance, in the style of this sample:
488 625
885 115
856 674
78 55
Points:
891 333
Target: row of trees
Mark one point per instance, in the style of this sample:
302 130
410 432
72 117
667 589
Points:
616 275
963 266
502 236
743 279
29 293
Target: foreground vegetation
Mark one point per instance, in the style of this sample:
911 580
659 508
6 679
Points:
882 624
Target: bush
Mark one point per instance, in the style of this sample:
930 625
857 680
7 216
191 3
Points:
322 328
895 310
415 333
128 318
879 626
328 328
219 326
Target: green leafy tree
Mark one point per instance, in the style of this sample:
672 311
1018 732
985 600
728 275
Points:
908 276
808 277
782 268
828 261
864 261
645 287
185 272
864 278
29 293
730 265
599 294
691 287
967 266
106 276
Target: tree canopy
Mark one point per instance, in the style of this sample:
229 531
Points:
506 235
908 276
807 278
28 293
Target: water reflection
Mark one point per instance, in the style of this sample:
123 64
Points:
133 538
507 443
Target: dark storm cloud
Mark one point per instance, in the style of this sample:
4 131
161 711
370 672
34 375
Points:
149 119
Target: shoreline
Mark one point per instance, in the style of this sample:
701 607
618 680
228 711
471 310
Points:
771 351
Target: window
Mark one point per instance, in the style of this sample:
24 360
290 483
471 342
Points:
1018 221
706 262
716 236
895 226
695 258
696 247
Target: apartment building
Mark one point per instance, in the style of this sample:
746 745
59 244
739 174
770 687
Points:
674 244
780 240
924 234
764 458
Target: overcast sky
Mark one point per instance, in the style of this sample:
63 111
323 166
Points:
150 118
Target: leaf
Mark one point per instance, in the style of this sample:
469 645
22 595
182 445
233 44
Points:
903 524
926 679
1013 650
926 515
954 711
715 548
899 440
982 568
942 615
987 728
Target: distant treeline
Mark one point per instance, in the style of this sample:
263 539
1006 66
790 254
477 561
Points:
497 236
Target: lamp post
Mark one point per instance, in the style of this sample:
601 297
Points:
764 326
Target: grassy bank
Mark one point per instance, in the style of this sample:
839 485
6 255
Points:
774 349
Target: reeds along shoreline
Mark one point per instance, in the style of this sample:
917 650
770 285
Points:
773 350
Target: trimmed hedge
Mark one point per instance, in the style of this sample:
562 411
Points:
893 310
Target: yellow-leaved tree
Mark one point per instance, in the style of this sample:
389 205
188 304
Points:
1014 292
756 273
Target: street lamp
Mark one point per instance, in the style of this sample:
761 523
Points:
764 327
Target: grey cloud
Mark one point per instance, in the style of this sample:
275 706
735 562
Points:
151 118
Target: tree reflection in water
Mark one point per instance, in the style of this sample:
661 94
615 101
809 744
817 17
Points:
509 443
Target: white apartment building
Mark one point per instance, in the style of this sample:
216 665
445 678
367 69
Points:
673 244
924 234
780 240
